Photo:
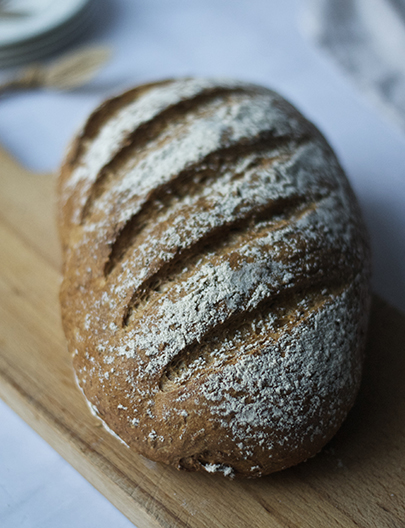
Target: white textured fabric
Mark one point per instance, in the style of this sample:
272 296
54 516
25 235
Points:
367 39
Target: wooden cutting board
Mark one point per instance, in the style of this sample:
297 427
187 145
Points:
357 480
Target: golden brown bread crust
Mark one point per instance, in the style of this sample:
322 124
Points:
216 276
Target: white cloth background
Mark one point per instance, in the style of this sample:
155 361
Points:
367 39
255 40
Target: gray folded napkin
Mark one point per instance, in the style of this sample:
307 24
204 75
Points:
367 39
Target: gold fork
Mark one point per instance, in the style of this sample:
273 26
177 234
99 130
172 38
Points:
68 72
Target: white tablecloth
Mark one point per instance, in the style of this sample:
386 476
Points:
255 40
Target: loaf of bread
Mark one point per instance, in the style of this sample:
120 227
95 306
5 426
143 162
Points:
216 276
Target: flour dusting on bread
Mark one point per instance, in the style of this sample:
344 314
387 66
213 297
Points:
216 276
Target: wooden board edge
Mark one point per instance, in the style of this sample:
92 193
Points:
76 453
11 164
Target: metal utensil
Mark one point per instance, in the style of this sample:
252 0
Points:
69 72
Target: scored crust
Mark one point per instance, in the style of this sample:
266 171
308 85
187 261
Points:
216 276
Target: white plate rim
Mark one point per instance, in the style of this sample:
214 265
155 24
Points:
32 27
40 48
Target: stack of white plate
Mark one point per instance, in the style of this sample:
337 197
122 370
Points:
32 29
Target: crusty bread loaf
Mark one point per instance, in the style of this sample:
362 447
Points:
216 276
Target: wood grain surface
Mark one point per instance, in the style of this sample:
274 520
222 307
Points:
358 480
